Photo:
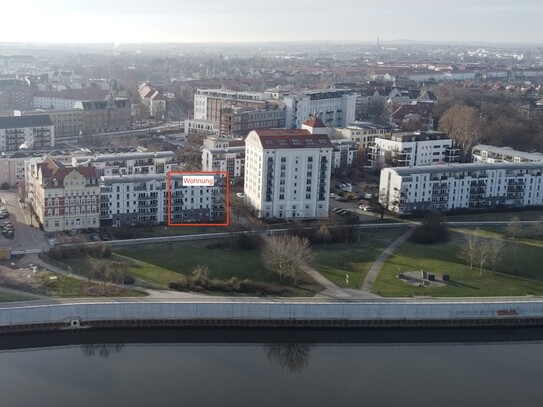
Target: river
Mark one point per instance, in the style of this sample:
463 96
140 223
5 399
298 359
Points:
273 368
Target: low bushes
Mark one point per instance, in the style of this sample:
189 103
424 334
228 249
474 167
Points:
99 251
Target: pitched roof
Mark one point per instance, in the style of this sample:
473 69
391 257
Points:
285 139
13 122
55 171
314 122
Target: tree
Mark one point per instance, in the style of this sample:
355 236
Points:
464 125
293 357
495 253
287 255
537 228
324 234
468 251
432 229
481 255
513 227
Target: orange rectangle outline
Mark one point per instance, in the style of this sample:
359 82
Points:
198 173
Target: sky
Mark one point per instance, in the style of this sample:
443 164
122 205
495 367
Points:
136 21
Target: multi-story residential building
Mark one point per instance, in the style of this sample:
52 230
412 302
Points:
224 155
67 99
336 108
144 198
201 127
412 149
447 187
362 133
105 115
287 173
154 100
26 132
209 102
239 121
492 154
69 124
131 163
66 197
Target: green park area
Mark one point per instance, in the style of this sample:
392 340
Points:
334 261
517 271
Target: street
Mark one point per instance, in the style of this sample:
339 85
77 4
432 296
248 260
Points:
26 237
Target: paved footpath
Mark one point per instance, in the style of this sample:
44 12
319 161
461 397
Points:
378 264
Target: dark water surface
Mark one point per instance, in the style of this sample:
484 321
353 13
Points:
274 368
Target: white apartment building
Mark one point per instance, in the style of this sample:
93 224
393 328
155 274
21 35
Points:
201 127
143 199
447 187
412 149
492 154
336 108
229 159
362 133
26 132
287 173
129 163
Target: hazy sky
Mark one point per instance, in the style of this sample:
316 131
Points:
272 20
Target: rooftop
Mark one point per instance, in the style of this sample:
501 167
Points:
13 122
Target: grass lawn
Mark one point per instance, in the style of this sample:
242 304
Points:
519 273
353 258
500 216
9 297
158 265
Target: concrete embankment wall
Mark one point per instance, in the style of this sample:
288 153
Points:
288 314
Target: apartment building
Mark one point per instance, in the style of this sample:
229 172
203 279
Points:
65 197
492 154
224 155
129 163
209 102
67 99
105 115
362 133
336 108
287 173
447 187
68 123
143 199
24 132
154 100
412 149
239 121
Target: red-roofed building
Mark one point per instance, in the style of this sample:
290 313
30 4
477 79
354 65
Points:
66 197
287 173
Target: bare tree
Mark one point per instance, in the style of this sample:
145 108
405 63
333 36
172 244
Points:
287 255
464 125
324 234
537 228
468 251
495 253
293 357
514 228
481 255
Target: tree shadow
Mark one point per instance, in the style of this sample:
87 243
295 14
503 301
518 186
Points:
103 350
293 357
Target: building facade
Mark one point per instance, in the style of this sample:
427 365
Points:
224 155
448 187
240 121
412 149
492 154
66 197
26 132
287 173
336 108
144 199
105 116
130 163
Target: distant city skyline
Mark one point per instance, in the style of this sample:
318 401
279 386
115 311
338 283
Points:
137 21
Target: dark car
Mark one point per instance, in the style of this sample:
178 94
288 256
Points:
105 236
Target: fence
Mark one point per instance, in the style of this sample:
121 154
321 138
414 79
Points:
56 263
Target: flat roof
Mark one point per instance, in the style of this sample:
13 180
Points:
509 151
433 169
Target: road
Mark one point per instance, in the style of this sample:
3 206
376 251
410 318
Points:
26 237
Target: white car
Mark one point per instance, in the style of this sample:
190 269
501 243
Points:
364 208
240 195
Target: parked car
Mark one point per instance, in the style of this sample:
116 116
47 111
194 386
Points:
95 238
105 237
